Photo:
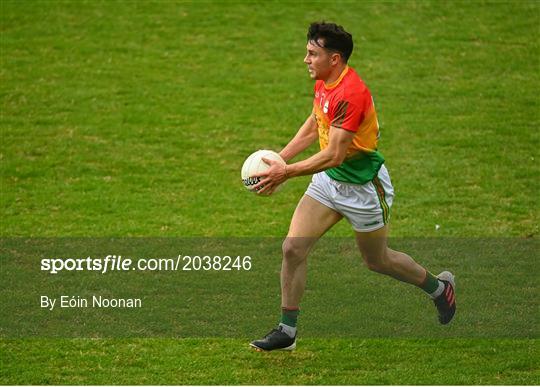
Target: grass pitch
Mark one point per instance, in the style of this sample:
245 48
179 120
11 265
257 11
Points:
228 361
133 119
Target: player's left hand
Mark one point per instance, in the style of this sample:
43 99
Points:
275 175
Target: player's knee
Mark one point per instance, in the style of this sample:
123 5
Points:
294 249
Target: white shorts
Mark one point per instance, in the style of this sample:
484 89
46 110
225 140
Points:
366 207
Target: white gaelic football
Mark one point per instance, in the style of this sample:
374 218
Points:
254 164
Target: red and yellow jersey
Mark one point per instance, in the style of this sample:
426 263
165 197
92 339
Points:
347 104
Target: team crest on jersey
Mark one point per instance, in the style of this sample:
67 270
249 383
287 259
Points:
325 108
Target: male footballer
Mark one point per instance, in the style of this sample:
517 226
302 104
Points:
349 181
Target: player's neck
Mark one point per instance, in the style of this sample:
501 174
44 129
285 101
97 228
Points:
335 74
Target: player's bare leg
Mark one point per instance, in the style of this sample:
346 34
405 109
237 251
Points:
380 258
310 221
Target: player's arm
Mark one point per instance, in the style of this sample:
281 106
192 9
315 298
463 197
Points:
332 156
306 135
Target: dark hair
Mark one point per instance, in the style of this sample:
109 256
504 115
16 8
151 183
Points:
331 37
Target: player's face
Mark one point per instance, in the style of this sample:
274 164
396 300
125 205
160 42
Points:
319 61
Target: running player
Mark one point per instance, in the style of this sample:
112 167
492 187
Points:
349 180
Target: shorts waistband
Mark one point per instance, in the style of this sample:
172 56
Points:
338 184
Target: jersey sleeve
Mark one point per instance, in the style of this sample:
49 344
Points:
347 115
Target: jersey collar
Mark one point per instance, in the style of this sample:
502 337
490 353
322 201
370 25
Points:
336 82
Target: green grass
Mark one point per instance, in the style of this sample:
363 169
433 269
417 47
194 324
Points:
228 361
143 113
133 119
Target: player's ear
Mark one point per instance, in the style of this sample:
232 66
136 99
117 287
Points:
335 58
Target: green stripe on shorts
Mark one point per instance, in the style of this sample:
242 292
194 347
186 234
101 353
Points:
382 199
